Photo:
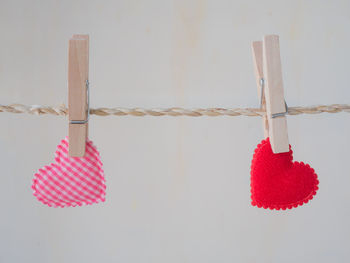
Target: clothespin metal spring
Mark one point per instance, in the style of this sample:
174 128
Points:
88 107
274 115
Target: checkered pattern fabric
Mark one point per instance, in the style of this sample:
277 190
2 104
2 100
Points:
71 181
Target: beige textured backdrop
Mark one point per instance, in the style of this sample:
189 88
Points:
178 188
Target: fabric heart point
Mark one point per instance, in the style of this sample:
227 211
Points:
279 183
71 181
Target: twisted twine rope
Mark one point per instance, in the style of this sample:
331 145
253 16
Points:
139 112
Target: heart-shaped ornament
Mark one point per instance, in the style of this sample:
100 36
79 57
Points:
279 183
71 181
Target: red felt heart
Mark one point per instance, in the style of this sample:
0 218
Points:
279 183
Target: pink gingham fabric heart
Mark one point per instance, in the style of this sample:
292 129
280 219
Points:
71 181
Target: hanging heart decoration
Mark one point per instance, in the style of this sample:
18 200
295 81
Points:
71 181
279 183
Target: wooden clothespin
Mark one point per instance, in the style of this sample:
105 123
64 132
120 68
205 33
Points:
78 94
268 72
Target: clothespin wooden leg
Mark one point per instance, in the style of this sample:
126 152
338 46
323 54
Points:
78 75
257 49
275 104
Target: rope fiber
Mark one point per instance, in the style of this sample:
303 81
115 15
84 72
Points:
139 112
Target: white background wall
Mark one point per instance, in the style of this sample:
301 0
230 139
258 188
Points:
178 188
